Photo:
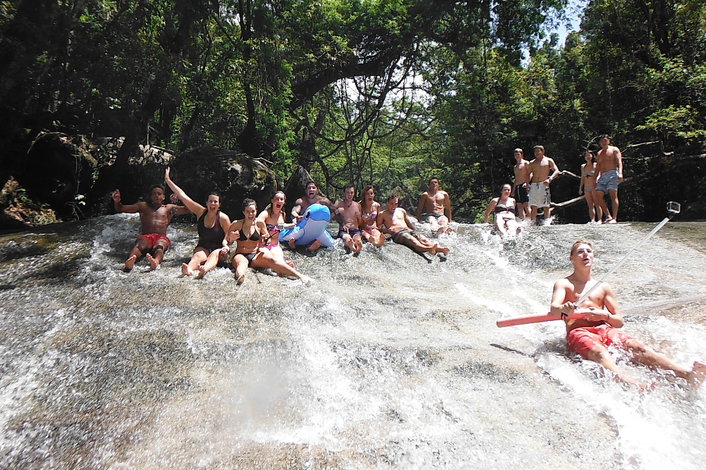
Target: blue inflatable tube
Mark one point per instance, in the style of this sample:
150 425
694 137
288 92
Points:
312 227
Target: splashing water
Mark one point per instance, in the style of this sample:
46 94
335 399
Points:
386 361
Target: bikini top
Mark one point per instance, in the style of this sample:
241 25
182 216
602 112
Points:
253 238
504 208
370 217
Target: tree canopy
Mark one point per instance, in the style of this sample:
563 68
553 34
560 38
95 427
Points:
366 91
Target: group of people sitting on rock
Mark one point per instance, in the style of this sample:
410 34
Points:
254 240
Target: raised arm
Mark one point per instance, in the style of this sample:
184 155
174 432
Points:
193 206
119 207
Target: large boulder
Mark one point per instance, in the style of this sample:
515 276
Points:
232 174
58 170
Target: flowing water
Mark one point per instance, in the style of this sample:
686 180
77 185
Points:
386 361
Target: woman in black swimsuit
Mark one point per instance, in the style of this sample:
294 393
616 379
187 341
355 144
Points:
251 234
212 224
503 207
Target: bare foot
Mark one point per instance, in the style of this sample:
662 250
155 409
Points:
292 243
202 272
185 269
289 262
130 263
697 375
315 246
443 250
305 279
239 279
153 262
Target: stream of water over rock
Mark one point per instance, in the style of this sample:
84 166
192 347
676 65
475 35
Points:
385 361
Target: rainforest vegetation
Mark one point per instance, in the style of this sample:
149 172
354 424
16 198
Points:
388 92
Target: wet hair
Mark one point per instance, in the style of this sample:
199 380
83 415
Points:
215 193
433 178
308 182
392 196
249 202
518 150
604 136
540 147
269 207
155 186
593 154
345 188
576 244
364 192
502 186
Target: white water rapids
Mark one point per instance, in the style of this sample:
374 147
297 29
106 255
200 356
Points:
386 361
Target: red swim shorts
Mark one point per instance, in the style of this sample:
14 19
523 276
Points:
582 340
153 238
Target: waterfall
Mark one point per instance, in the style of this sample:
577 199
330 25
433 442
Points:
385 361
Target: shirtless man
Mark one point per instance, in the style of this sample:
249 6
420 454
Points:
520 191
600 325
395 221
349 216
155 217
311 196
609 173
435 207
539 195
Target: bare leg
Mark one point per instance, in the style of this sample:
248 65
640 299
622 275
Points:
600 199
266 260
135 254
130 263
647 356
241 264
533 213
614 202
315 246
600 355
210 262
357 243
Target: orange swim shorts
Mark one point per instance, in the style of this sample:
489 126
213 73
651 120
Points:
584 339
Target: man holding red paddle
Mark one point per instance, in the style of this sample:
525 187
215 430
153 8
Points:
596 325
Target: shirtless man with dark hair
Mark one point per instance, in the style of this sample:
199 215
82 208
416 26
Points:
349 216
435 207
539 194
520 190
600 326
395 221
155 217
609 174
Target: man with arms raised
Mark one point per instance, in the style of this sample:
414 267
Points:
348 214
609 173
311 196
601 320
520 191
435 207
539 195
155 217
395 221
